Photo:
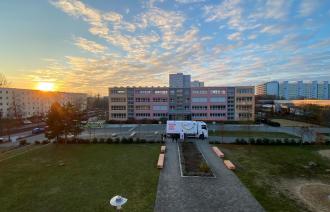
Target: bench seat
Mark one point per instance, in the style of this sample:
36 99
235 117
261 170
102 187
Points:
160 163
229 164
162 149
217 151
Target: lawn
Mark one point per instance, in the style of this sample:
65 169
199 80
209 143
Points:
265 169
251 134
290 123
80 177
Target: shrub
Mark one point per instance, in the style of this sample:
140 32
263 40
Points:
94 141
252 141
109 140
124 140
143 141
102 140
137 140
258 141
37 142
203 167
265 141
237 140
117 141
22 142
278 141
45 142
286 141
130 140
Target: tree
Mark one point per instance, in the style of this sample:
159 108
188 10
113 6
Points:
3 81
55 121
63 120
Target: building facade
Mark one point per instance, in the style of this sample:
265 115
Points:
25 103
295 90
196 103
196 83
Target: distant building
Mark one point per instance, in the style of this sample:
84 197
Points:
24 103
180 80
196 83
182 103
295 90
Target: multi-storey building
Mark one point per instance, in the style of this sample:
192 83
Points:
196 83
295 90
198 103
24 103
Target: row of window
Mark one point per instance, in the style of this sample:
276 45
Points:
244 99
204 115
245 90
118 91
205 107
217 91
204 99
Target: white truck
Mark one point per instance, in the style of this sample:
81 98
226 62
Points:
195 129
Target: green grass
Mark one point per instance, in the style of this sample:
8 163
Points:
262 168
251 134
92 174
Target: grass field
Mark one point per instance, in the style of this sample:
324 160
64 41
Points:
290 123
251 134
80 178
265 169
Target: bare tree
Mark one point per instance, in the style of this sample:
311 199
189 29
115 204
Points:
3 81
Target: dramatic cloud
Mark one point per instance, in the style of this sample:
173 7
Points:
227 42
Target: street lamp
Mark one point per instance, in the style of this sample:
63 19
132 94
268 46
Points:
118 201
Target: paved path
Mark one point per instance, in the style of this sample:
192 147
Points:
223 193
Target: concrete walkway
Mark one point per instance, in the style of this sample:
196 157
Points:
223 193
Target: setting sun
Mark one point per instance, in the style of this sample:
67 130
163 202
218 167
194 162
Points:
45 86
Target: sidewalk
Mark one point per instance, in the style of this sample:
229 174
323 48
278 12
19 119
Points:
223 193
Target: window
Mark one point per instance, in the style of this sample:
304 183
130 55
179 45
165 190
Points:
115 91
221 91
199 115
199 91
217 114
118 99
204 127
143 91
244 107
142 107
142 99
245 90
198 99
159 99
142 114
161 92
118 107
118 115
217 107
218 99
159 107
199 107
244 99
160 114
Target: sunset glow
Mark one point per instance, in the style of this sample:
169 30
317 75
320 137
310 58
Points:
45 86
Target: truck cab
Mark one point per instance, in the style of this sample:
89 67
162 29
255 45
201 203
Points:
193 129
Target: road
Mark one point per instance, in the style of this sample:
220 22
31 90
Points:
153 131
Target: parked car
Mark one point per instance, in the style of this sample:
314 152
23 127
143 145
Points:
38 130
27 122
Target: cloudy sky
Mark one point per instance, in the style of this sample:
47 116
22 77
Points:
90 45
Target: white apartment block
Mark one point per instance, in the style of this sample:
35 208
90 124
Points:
295 90
26 103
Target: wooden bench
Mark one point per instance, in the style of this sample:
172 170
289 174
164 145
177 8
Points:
229 164
217 151
160 163
162 149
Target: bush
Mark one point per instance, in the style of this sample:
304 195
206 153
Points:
252 141
94 141
102 140
124 140
109 140
37 142
203 167
45 142
117 141
22 142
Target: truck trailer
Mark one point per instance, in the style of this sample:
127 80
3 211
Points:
193 129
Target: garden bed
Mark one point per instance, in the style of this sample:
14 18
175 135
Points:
192 161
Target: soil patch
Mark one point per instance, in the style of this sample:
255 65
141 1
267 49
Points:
192 161
325 153
315 195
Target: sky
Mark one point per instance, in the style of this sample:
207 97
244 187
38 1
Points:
90 45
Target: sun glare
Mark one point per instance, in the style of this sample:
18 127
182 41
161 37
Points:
45 86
